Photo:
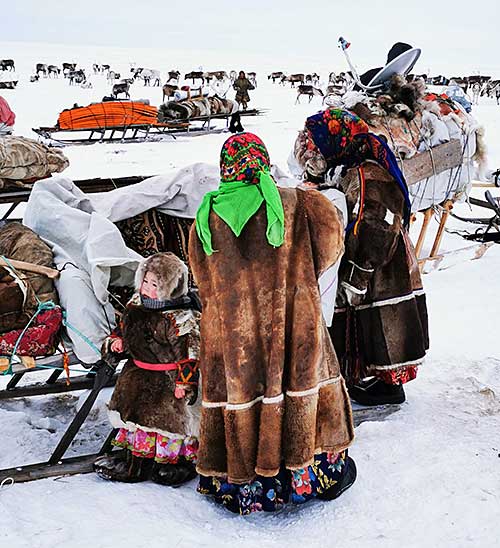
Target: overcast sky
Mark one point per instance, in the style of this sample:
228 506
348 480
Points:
462 33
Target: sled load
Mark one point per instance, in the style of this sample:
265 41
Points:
24 161
107 115
196 107
440 146
107 121
127 120
42 319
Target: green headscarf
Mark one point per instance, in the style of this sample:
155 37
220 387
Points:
245 184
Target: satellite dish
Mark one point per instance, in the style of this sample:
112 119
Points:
402 64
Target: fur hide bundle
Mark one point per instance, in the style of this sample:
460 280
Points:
194 107
171 272
402 99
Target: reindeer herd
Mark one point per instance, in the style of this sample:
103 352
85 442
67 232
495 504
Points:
308 84
305 84
120 84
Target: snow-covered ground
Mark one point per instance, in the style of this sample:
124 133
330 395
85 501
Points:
429 475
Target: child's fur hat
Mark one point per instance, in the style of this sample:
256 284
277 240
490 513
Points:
171 272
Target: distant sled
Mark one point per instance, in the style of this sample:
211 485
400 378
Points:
130 121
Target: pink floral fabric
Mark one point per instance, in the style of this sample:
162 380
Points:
162 449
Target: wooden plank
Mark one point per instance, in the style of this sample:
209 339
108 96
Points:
426 164
421 166
30 267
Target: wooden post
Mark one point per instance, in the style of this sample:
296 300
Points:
447 206
423 231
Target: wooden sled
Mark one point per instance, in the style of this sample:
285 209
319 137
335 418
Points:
136 133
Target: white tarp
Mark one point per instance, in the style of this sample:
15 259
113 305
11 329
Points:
85 241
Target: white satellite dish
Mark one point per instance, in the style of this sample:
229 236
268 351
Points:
402 64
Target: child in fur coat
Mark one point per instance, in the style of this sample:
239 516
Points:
152 405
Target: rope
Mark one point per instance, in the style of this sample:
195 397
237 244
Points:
79 334
362 181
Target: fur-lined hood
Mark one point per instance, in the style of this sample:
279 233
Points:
172 275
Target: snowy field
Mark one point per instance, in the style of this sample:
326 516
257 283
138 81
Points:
428 475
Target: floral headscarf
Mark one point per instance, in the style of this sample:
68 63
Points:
343 139
245 184
242 157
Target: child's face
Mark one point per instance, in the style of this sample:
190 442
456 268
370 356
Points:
149 287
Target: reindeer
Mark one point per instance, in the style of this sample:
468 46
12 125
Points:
68 68
121 87
293 79
41 68
334 90
7 64
112 76
173 75
77 77
169 90
219 75
53 70
232 76
195 75
306 89
275 76
252 77
147 75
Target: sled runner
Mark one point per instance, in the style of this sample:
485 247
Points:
492 231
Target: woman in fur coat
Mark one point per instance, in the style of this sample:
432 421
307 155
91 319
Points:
152 402
380 326
276 419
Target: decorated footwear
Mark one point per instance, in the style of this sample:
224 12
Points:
377 392
348 478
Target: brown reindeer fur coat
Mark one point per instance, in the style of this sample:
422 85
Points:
145 399
271 385
385 331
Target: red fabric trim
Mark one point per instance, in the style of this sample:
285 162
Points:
156 366
396 376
